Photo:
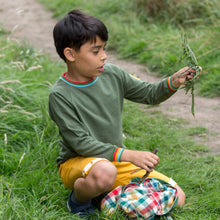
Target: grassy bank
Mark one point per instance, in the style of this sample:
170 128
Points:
29 184
149 32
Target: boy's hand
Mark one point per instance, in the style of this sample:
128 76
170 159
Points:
143 159
179 78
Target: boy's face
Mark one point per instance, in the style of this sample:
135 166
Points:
88 61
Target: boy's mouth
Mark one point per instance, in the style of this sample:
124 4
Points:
101 68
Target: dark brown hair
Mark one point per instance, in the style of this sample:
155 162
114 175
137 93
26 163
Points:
75 29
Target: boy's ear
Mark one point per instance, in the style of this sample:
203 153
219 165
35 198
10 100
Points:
69 53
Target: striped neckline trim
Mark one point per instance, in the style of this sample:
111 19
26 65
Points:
79 84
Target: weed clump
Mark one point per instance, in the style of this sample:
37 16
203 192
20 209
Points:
192 62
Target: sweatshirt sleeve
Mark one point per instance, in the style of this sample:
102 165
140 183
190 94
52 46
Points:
144 92
76 139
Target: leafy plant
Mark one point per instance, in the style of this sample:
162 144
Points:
189 55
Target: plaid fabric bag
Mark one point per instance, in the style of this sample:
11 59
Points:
148 200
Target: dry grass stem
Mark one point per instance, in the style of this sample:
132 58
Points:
34 68
10 81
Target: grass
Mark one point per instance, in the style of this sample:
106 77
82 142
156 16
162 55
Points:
30 187
149 32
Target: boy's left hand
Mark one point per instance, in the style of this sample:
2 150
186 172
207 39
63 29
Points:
179 78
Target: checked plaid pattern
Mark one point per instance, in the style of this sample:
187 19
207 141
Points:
146 200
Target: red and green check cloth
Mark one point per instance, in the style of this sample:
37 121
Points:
151 198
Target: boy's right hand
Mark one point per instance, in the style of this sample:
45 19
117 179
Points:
143 159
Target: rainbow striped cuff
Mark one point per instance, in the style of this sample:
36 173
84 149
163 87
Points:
170 86
117 154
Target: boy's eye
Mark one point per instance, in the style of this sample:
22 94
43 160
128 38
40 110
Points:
97 50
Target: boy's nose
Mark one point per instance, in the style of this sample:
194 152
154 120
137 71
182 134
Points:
104 56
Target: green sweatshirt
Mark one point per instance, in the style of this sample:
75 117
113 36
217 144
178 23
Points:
89 115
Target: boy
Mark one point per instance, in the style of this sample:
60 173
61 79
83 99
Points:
86 104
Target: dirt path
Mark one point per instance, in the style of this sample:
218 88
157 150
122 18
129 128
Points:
27 20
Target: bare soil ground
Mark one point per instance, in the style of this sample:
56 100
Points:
28 20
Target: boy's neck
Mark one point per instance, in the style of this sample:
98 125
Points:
78 79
